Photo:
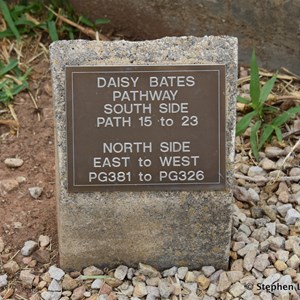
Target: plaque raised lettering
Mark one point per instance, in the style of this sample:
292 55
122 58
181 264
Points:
145 127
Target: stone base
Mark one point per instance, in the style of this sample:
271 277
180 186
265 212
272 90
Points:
162 229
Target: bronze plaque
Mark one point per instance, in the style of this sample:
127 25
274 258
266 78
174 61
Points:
145 127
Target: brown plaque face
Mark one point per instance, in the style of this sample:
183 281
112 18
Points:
145 127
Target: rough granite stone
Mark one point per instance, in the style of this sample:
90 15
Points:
160 228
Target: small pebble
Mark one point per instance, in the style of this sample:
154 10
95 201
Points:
44 240
56 273
267 164
208 270
203 282
256 171
280 265
120 272
97 283
292 216
270 212
169 272
3 280
13 162
35 192
8 185
1 245
92 271
148 270
29 247
273 152
295 172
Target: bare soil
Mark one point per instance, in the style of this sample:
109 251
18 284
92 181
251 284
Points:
22 217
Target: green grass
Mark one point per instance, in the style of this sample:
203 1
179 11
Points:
261 129
27 18
30 16
12 80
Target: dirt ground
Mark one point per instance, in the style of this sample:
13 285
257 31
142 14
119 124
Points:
22 217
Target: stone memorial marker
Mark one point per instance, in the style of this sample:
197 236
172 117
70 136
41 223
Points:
145 147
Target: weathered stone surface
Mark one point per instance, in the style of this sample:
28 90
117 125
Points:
162 229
